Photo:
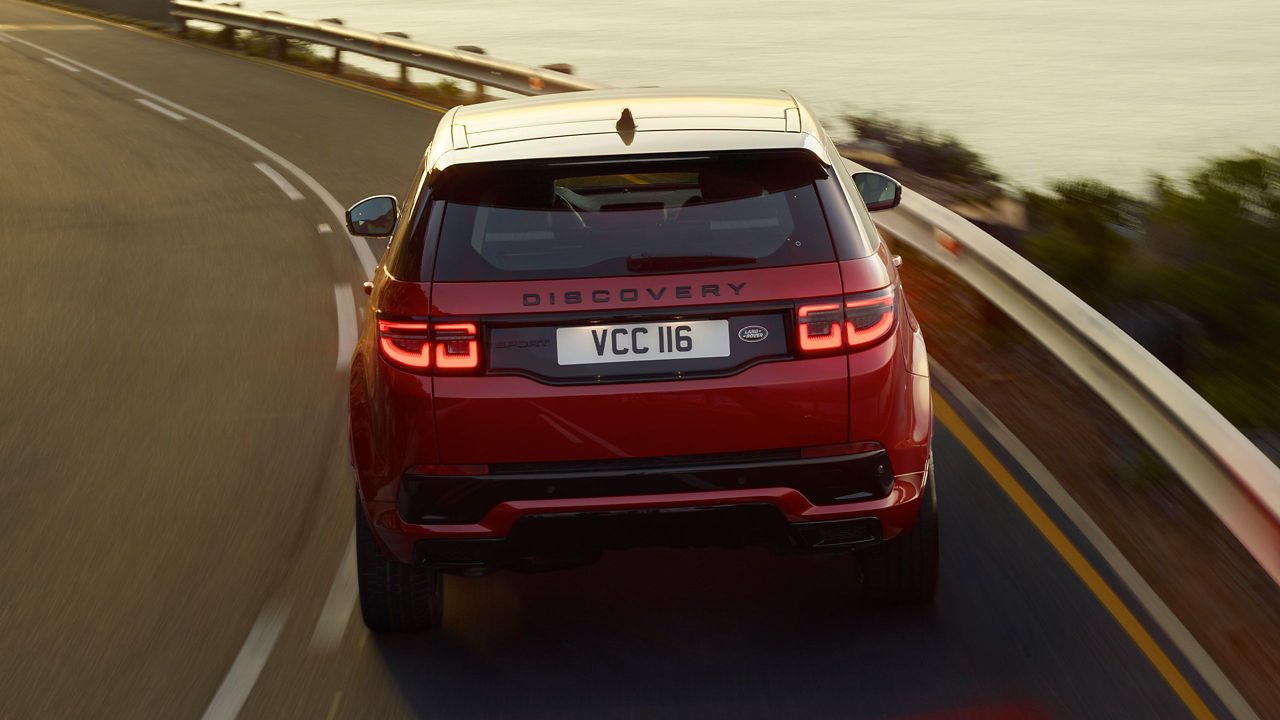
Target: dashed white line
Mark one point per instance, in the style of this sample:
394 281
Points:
324 229
285 186
358 244
163 111
346 324
248 664
64 66
332 624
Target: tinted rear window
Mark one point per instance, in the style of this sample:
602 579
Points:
573 219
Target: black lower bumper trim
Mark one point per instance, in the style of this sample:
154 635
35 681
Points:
449 499
553 535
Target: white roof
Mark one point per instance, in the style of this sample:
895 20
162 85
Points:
582 124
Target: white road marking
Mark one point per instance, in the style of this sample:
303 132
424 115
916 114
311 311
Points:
248 664
361 248
336 613
11 28
253 655
346 324
1159 612
163 111
64 66
4 38
285 186
324 228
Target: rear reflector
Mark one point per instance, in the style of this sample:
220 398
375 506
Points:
857 448
447 470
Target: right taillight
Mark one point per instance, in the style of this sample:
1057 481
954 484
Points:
854 322
410 345
868 317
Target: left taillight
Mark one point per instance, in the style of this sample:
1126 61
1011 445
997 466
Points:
423 346
846 324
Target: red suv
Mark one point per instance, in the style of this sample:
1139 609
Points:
624 318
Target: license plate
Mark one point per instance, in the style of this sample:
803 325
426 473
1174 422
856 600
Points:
642 342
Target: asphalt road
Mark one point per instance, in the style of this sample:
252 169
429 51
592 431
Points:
175 503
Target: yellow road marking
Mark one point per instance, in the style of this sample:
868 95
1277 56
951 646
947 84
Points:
1114 605
333 707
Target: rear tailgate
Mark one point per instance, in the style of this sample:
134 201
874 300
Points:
639 367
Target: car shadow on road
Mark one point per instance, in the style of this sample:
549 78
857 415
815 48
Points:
680 633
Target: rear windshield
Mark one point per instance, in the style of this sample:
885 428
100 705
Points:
575 219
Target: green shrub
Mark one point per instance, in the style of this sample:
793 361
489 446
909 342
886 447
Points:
1209 247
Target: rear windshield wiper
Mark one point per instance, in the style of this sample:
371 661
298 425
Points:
654 263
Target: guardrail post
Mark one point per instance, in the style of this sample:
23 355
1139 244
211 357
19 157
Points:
228 35
280 51
479 92
336 66
404 69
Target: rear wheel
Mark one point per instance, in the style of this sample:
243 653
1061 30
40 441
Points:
905 569
394 597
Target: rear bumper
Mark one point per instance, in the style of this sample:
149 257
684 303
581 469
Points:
780 517
448 498
574 534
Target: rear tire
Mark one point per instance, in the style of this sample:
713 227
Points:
394 597
904 570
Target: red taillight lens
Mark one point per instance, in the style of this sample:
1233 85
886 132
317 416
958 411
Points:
820 326
407 344
457 346
854 322
868 317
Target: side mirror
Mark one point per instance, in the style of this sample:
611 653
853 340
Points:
373 217
879 191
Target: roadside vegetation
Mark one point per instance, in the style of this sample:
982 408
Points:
1191 269
921 148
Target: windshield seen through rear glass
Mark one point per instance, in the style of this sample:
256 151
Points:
571 219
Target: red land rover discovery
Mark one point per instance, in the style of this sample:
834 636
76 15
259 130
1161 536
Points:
624 318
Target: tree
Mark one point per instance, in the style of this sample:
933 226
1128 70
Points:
1080 235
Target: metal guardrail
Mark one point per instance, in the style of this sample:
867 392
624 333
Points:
482 70
1238 483
1228 472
